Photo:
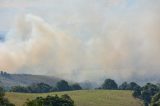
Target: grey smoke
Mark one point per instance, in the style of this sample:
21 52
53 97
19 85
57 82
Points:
124 45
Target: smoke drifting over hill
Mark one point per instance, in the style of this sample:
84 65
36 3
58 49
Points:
125 47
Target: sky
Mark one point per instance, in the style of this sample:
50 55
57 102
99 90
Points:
76 16
82 39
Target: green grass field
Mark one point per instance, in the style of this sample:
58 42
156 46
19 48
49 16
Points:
85 97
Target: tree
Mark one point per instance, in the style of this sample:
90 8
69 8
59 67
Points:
76 87
146 93
39 88
124 86
109 84
134 86
34 88
146 97
64 100
137 93
19 89
63 86
151 88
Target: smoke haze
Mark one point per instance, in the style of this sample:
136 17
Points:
116 39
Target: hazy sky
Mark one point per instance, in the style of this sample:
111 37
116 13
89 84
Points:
81 17
82 39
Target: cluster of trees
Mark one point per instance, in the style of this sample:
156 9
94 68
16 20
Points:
43 88
149 93
112 85
64 100
4 101
64 86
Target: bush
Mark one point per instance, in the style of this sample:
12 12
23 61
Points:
64 100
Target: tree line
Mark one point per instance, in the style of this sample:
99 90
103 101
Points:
64 100
44 88
110 84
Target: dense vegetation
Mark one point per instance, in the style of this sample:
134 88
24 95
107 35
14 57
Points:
149 93
43 88
64 100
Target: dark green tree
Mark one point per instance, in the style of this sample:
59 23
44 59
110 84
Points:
109 84
63 86
134 86
146 93
39 88
19 89
137 92
34 88
76 87
64 100
124 86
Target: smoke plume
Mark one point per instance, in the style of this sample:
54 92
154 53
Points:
125 47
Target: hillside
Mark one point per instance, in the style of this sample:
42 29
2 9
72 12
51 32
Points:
9 80
85 97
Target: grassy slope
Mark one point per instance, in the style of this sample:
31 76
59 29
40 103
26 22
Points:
85 98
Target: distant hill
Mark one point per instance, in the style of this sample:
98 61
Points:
8 80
